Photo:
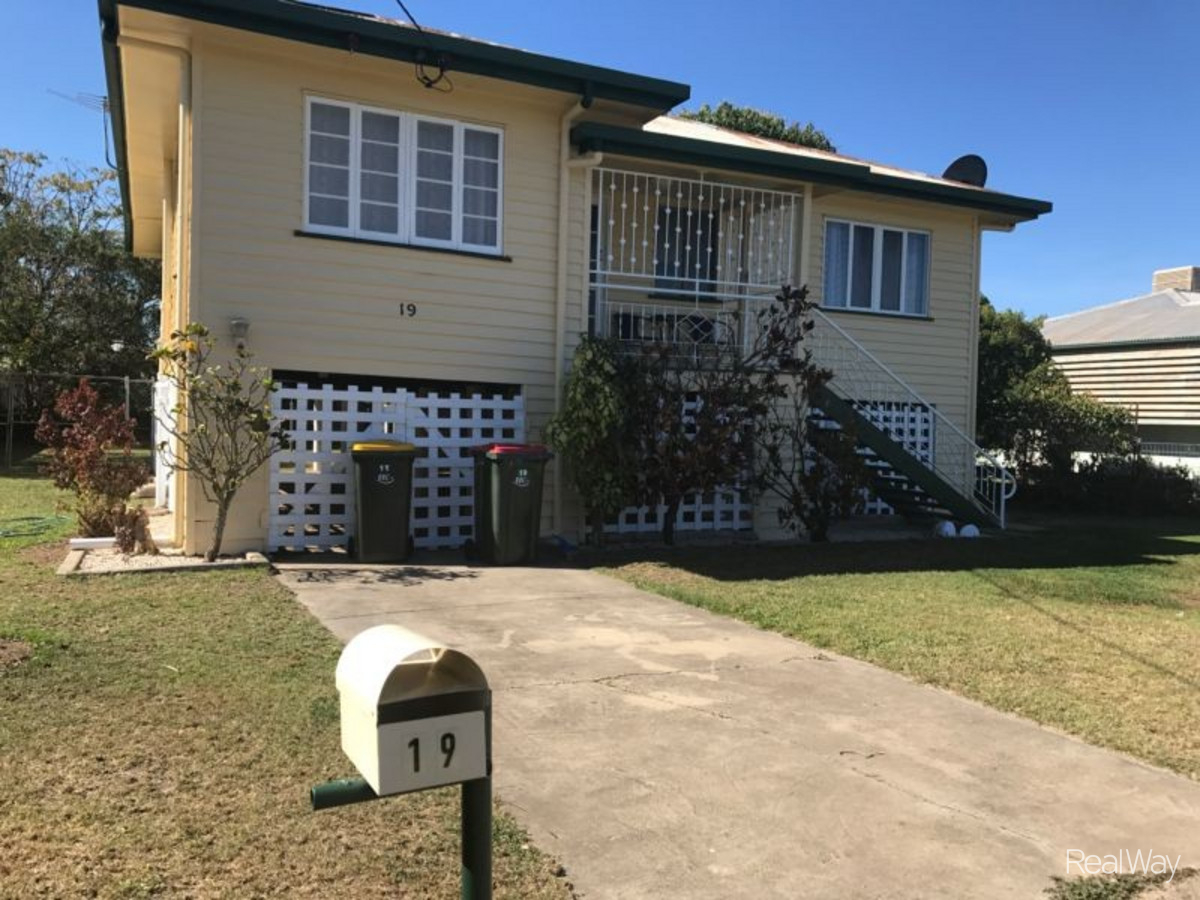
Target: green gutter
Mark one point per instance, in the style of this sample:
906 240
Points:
613 139
345 30
109 28
1132 344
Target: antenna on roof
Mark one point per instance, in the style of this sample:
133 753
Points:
439 59
93 102
969 169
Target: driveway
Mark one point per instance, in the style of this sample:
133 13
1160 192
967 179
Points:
660 751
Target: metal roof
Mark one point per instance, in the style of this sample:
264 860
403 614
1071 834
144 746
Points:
1169 316
672 139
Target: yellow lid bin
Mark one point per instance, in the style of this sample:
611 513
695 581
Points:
382 500
382 447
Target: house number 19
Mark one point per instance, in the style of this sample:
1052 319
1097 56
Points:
408 310
447 743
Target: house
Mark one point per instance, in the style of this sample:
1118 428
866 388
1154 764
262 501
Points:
412 229
1142 354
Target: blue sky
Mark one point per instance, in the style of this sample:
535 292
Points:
1092 105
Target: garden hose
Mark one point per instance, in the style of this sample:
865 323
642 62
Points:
28 526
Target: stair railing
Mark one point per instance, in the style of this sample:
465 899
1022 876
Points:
875 390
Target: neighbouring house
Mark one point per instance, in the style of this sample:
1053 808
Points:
412 229
1142 354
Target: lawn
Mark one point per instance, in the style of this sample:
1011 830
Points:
1088 626
162 739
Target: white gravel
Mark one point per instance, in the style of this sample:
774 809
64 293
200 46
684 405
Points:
110 562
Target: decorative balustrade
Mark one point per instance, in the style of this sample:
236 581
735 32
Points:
691 238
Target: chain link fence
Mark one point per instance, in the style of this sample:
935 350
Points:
25 395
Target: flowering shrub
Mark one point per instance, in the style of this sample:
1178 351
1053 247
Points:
91 455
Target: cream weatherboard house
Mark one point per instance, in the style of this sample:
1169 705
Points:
412 230
1142 354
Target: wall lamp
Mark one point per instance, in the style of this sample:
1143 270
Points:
239 328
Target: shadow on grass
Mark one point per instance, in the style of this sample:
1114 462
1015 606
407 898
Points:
1064 543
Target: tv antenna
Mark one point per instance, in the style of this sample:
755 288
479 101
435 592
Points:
96 103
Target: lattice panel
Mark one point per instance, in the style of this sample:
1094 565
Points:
725 509
909 424
312 485
722 510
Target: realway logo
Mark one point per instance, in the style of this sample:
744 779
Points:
1123 862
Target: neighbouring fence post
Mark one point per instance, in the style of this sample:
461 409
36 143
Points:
10 422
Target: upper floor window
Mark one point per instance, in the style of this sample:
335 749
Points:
876 268
386 175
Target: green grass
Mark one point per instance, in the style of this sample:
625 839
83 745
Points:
1092 627
162 740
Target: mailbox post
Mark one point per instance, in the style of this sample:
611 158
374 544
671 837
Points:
416 715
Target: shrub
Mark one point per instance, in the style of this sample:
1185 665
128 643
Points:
1122 486
590 432
91 455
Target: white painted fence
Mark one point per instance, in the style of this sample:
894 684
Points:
312 485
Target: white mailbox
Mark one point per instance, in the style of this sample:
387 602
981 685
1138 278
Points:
414 713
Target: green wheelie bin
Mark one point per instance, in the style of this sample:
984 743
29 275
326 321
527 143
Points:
508 501
382 500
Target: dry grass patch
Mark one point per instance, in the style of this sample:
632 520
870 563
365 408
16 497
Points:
162 738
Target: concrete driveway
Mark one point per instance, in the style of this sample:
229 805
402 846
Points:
660 751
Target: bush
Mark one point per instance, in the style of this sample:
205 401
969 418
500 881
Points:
1122 486
91 455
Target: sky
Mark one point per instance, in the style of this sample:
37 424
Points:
1094 106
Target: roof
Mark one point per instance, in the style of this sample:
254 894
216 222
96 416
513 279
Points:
682 140
390 38
1162 317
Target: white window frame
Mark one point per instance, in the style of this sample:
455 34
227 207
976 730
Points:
407 212
876 307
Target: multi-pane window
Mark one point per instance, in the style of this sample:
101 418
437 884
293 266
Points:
401 177
876 268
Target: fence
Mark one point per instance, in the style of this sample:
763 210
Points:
26 394
312 484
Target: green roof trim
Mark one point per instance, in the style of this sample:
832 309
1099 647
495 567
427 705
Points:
116 106
1123 343
596 136
347 30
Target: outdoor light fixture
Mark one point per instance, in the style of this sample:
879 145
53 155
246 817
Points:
117 346
238 329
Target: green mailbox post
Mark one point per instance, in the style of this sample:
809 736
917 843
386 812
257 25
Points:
417 715
508 501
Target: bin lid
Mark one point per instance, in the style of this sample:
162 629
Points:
382 447
493 451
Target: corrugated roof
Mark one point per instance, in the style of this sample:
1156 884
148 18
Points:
702 131
1158 317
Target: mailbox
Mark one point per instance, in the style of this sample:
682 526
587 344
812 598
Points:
414 713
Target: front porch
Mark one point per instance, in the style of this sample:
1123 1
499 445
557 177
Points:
688 266
686 263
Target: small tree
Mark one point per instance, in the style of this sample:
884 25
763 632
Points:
223 421
1054 424
590 432
91 455
816 473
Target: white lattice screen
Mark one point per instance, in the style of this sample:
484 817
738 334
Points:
910 424
312 485
725 509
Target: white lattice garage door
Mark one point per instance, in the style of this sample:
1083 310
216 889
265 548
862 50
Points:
312 485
